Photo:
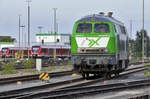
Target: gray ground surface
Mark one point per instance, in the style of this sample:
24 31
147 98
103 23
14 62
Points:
49 69
26 84
110 95
124 94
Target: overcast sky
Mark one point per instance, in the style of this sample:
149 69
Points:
67 13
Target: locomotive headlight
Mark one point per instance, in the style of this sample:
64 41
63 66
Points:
80 50
103 50
106 50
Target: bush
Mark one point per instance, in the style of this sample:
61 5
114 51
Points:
9 68
146 73
28 64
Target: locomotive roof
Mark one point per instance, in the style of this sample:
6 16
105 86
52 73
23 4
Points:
52 46
99 18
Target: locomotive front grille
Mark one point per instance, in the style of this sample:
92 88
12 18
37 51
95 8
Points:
92 50
92 61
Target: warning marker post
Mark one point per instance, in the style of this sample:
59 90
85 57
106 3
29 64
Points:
38 64
44 76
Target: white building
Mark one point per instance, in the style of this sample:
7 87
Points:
52 38
6 44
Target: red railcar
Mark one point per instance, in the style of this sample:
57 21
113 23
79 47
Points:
10 51
48 51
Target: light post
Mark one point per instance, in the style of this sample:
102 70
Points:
40 29
130 40
25 38
22 26
19 29
55 23
28 1
55 30
143 54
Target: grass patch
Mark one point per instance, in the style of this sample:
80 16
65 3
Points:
29 64
9 68
50 68
147 72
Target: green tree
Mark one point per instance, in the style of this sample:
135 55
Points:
132 47
138 43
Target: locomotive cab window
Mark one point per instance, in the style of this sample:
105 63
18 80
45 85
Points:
101 28
84 28
4 50
115 30
123 30
35 49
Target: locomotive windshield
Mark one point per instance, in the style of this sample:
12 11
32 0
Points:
35 49
4 50
101 28
84 28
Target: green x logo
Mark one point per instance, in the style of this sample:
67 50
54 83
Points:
92 42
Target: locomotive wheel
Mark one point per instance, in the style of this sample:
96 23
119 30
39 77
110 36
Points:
95 75
83 75
117 74
126 63
123 64
87 75
107 76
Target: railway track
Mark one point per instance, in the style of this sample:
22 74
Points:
78 91
32 91
36 76
29 90
4 81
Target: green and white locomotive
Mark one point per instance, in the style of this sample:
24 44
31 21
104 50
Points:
99 45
